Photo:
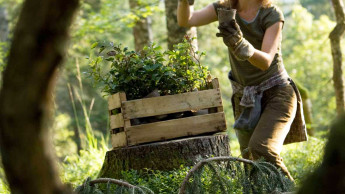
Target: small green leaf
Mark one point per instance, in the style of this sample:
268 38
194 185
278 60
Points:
94 45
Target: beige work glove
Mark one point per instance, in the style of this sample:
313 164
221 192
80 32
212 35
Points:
233 38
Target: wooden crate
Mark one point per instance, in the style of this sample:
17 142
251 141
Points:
122 111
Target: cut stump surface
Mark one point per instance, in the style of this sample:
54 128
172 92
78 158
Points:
165 156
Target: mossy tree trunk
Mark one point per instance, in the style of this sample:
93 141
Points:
142 30
37 50
164 156
335 38
175 32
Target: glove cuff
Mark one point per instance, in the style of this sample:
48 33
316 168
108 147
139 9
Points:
243 50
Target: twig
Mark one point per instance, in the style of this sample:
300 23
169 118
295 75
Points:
114 181
119 182
194 56
203 162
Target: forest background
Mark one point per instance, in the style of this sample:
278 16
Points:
80 130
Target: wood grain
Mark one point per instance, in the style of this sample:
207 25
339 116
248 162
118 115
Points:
114 101
171 104
189 126
215 84
118 140
116 121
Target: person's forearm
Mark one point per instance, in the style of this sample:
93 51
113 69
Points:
261 60
184 12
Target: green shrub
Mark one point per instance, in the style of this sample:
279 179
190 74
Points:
302 158
139 73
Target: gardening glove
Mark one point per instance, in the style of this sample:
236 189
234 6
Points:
233 38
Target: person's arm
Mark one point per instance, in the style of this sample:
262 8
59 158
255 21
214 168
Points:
187 17
264 57
244 50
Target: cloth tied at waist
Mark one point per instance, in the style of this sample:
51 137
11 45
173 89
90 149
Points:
249 92
251 99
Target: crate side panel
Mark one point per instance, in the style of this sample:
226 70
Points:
189 126
118 140
114 101
171 104
116 121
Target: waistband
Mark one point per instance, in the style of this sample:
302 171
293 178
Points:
249 92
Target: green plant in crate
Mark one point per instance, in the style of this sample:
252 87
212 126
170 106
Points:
139 73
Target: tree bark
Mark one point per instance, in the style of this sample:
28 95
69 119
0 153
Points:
36 52
164 156
175 32
335 38
142 31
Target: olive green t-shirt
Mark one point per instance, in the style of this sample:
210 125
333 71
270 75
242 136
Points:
243 71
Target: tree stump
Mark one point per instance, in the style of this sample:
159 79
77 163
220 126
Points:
165 156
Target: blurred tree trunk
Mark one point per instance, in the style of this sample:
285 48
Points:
3 25
142 31
175 32
307 108
36 52
335 38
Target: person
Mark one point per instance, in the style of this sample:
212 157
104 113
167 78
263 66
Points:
266 103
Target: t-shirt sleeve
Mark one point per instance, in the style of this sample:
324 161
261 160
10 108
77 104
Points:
272 16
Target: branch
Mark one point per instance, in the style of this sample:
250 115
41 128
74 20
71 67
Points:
203 162
117 182
338 31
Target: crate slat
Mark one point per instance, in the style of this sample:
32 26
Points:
114 101
119 140
176 128
116 121
171 104
215 84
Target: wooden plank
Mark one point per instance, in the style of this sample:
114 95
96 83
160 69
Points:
118 140
176 128
123 98
171 104
114 101
116 121
215 84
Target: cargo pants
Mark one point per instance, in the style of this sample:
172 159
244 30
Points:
279 106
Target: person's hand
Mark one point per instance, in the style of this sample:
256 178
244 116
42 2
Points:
233 38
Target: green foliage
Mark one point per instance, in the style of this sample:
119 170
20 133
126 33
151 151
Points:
214 177
231 176
139 73
62 137
3 55
76 168
4 189
92 187
307 58
318 7
301 159
157 181
144 9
